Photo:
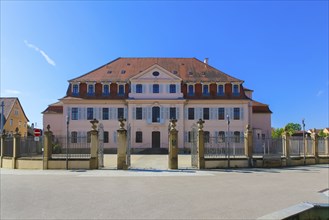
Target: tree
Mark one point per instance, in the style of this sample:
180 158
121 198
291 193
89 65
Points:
322 134
292 127
277 132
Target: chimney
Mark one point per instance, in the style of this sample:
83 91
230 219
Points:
205 60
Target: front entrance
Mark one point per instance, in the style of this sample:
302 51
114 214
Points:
155 139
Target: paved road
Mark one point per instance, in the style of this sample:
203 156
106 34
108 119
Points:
158 194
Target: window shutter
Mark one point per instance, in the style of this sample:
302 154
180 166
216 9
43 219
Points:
144 113
149 115
115 113
185 113
161 114
160 88
134 113
167 113
185 136
125 113
133 88
69 113
95 113
151 88
168 88
177 113
115 137
143 88
241 113
231 113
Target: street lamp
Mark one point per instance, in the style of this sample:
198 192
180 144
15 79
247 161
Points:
303 123
67 141
228 141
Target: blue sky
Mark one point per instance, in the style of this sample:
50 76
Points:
279 48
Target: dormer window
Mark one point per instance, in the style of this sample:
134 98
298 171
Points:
91 89
172 88
236 90
156 88
106 89
75 89
205 90
220 90
139 88
190 90
121 90
123 71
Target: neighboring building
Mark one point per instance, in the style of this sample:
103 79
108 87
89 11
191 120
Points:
148 92
13 116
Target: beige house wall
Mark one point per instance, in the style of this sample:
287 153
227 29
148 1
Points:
16 119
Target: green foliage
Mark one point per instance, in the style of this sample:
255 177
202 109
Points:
322 134
277 133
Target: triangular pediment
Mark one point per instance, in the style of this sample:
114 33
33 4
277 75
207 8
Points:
155 72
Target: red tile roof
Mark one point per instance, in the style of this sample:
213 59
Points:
9 104
56 108
258 107
188 69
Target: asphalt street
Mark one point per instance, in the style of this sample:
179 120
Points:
142 193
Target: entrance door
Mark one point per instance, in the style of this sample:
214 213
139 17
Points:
155 139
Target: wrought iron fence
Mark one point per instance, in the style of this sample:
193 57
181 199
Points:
29 147
224 147
265 146
323 146
71 147
8 147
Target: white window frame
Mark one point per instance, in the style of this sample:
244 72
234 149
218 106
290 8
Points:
221 84
190 84
106 84
208 85
91 84
235 84
72 89
124 88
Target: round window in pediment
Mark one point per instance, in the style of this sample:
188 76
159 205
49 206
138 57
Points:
155 73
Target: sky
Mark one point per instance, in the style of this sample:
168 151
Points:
278 48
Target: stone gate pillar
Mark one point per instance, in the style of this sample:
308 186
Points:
122 146
47 147
173 145
200 145
315 146
94 145
2 139
248 144
286 147
16 146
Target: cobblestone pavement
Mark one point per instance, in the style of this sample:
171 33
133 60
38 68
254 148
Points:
149 193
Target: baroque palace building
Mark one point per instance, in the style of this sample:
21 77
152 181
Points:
148 92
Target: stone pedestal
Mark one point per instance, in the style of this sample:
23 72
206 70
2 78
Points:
16 146
200 145
47 148
286 149
315 146
248 144
93 149
122 149
2 139
173 146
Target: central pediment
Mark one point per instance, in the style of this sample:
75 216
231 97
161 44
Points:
155 73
